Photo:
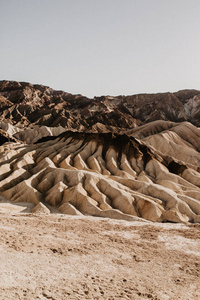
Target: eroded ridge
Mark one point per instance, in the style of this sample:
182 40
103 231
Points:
105 175
98 174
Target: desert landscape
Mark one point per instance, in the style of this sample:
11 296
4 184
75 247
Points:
99 198
73 257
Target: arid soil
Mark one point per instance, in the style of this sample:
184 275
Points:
54 256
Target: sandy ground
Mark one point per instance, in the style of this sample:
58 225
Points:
63 257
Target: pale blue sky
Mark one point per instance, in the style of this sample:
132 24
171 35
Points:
101 47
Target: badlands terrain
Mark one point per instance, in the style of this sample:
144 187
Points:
90 191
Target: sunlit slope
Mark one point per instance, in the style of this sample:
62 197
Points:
178 142
102 175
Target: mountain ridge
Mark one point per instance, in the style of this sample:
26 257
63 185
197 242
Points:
26 104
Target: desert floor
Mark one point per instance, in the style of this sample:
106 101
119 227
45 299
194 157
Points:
64 257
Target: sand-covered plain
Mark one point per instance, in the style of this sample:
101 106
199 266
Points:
54 256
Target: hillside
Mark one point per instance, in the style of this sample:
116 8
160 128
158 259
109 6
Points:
126 157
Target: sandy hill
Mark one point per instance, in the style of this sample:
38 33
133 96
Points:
126 157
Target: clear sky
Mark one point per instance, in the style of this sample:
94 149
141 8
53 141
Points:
101 47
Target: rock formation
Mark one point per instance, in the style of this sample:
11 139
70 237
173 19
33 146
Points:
119 157
27 104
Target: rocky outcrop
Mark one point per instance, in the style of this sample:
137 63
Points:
26 104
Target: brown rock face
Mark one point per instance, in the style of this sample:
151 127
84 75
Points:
27 104
133 157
